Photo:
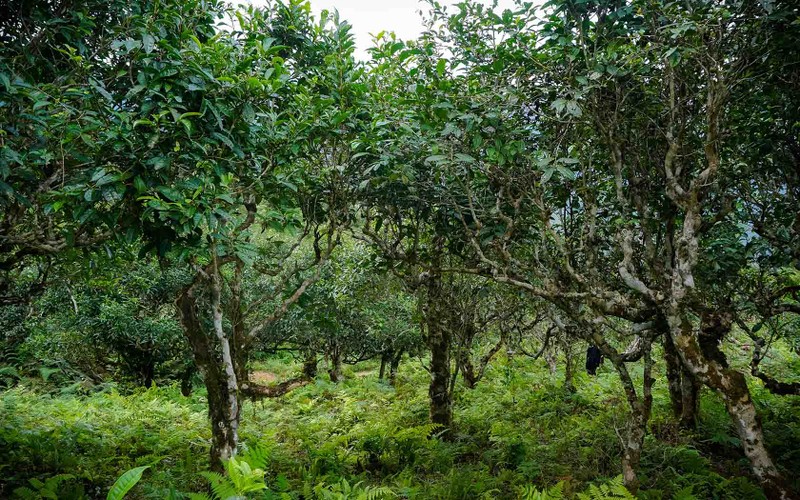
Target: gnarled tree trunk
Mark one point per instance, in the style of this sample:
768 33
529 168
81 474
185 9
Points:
732 386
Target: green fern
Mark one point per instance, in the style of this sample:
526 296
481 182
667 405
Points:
613 489
240 480
257 456
554 493
343 490
198 496
42 489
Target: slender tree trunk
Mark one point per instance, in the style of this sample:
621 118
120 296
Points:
674 369
552 361
632 451
223 414
467 369
239 343
690 400
439 389
641 408
569 384
148 372
186 380
438 340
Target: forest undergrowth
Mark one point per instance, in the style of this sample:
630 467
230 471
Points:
518 434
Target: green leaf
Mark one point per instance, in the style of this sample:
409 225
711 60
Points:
559 105
573 109
125 482
99 174
139 184
148 42
171 193
101 90
465 158
189 114
289 185
440 67
437 158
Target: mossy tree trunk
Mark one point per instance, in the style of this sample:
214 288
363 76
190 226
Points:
395 365
310 362
438 340
335 358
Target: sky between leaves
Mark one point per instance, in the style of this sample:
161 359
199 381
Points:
369 17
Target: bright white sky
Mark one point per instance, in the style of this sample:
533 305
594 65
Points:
373 16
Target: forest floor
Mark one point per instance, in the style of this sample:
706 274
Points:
262 377
517 429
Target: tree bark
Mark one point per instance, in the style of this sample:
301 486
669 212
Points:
256 391
186 380
690 400
148 371
439 389
632 451
674 369
552 361
227 411
473 375
467 369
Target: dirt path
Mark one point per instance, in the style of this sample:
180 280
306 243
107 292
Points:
262 377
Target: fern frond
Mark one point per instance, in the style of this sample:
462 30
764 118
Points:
257 456
613 489
378 493
198 496
26 493
554 493
221 487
